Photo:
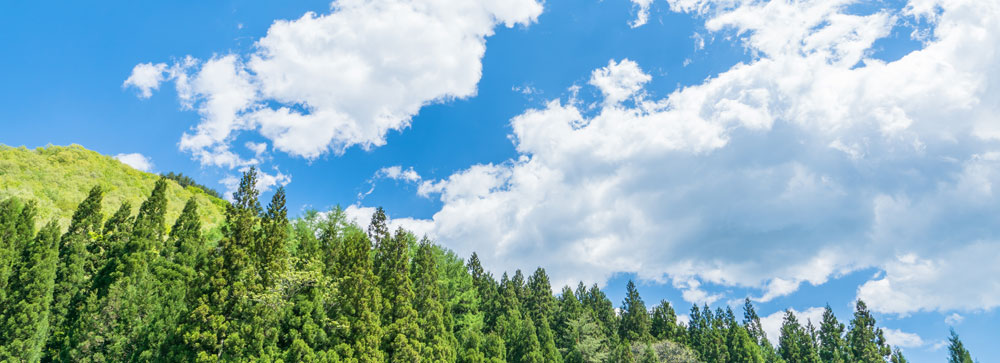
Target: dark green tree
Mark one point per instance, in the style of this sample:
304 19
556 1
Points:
865 342
634 326
359 304
831 339
75 270
402 338
795 344
438 341
25 324
663 323
956 350
270 251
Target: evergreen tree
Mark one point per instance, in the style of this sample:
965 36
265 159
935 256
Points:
865 342
438 341
795 344
10 209
831 338
186 245
271 252
25 324
567 310
590 342
634 317
623 354
956 350
663 323
402 336
751 321
75 270
525 347
359 304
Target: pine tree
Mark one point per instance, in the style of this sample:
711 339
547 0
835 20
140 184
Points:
438 341
956 350
663 323
75 269
25 324
524 347
635 318
567 310
622 354
401 341
751 321
795 343
865 342
10 209
831 338
270 251
116 318
186 245
359 304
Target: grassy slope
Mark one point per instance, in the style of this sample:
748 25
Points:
59 177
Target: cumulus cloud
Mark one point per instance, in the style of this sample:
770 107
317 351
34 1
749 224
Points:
897 338
642 12
146 77
954 319
807 162
137 161
324 83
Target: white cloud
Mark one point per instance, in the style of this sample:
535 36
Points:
642 12
396 172
324 83
619 80
137 161
954 319
258 148
897 338
772 323
809 161
146 77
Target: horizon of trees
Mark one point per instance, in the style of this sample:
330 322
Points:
126 287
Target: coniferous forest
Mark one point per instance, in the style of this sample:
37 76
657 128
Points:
130 285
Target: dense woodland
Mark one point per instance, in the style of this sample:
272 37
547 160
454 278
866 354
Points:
126 286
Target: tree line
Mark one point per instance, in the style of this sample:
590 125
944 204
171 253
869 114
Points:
322 289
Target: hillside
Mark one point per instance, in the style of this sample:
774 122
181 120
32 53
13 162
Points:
59 177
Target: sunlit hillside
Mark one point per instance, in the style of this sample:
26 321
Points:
59 177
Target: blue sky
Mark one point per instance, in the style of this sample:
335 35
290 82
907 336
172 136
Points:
800 153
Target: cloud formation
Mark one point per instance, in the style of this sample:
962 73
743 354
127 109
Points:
812 160
324 83
137 161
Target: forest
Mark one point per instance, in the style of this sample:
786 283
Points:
124 286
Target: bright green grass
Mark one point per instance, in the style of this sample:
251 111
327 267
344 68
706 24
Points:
59 178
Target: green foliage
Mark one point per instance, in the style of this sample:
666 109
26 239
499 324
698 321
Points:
322 289
865 341
956 350
25 324
59 177
795 343
187 183
634 326
831 339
